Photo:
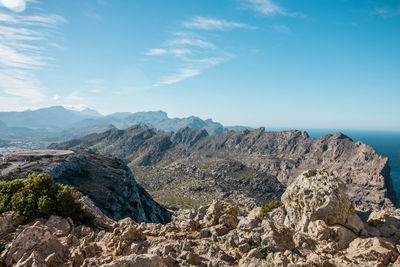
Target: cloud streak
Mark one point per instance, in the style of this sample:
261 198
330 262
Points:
181 75
203 23
270 8
22 52
191 51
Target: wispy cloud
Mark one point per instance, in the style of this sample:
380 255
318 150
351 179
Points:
190 42
22 51
270 8
156 52
182 74
193 68
203 23
386 11
193 52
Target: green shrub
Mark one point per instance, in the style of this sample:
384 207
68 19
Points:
3 245
269 207
40 196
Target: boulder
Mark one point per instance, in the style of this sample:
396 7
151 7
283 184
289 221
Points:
372 251
220 210
314 195
144 260
8 222
36 239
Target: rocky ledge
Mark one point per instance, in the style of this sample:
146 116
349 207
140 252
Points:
107 181
315 226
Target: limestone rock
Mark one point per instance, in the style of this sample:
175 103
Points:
315 195
371 252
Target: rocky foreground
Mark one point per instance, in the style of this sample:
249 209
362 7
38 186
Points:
316 226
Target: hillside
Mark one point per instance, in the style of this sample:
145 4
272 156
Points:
248 167
107 181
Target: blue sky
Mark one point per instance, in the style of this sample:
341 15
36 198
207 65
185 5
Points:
295 64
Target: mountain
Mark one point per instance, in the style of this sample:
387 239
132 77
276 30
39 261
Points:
72 133
158 119
59 123
56 117
87 112
19 132
248 167
107 181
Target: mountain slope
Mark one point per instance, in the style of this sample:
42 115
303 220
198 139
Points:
107 181
52 117
158 119
243 166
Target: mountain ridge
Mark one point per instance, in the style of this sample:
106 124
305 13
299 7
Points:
256 161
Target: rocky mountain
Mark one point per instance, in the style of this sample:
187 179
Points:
315 226
19 132
157 119
248 167
59 123
46 118
107 181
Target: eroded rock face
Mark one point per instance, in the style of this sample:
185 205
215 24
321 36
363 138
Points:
314 195
106 181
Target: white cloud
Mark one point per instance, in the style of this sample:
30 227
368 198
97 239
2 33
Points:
181 51
270 8
156 52
14 5
182 74
22 53
191 42
386 11
77 107
191 53
173 51
203 23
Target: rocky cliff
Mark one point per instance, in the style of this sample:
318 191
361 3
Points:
247 167
107 181
315 226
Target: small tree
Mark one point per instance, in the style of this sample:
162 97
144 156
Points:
40 196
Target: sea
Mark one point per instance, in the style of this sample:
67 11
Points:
385 143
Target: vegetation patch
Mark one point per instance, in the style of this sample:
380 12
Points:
39 196
3 245
269 207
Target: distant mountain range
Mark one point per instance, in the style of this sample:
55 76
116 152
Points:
60 123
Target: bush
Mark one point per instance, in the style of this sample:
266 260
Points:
269 207
40 196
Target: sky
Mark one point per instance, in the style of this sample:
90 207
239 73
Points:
294 64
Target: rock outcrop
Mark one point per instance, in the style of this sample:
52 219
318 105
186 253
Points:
260 163
315 229
107 181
